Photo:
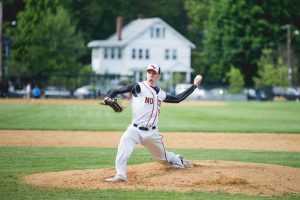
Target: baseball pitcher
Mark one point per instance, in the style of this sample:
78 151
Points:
146 102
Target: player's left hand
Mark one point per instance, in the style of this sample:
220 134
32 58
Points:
113 103
197 80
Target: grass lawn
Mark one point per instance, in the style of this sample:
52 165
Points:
16 162
275 117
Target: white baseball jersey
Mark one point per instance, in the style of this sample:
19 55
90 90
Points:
144 130
146 105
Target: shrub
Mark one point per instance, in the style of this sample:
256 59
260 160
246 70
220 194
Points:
236 80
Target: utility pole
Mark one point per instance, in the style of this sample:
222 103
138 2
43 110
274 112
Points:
1 14
288 52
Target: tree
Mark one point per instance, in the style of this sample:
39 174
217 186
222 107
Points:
237 31
97 19
11 8
197 12
272 72
46 41
236 80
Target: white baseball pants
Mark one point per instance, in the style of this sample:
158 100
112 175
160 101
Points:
150 139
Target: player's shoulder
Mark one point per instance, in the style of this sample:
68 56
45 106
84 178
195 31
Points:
133 84
136 89
162 91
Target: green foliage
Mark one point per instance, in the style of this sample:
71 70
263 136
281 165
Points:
178 77
46 41
72 80
84 75
97 19
197 12
197 63
236 80
237 31
272 76
272 72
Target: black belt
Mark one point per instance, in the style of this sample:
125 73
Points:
144 128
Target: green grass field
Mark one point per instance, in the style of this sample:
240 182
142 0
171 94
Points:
15 162
18 161
234 117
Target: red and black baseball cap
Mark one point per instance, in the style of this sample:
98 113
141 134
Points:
154 67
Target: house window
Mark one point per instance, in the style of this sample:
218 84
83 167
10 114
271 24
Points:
105 53
112 53
147 54
167 54
157 32
133 54
140 53
141 76
119 53
174 54
151 32
164 32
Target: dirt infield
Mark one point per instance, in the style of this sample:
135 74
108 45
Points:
249 141
221 176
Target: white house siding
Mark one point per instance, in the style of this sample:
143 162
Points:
156 46
96 59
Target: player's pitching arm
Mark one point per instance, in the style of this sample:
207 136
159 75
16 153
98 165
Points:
180 97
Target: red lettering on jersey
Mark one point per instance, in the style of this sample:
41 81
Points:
148 100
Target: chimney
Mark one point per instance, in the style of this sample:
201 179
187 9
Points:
140 16
119 25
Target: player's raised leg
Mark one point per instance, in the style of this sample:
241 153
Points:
155 146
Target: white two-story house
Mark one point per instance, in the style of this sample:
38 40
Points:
141 42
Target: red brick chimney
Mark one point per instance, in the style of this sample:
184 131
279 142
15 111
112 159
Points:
119 25
140 16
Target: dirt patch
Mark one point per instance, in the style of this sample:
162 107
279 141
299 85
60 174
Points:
221 176
250 141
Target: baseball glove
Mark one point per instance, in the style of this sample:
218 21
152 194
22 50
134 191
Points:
113 103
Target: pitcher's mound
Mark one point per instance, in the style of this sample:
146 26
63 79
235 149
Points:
221 176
